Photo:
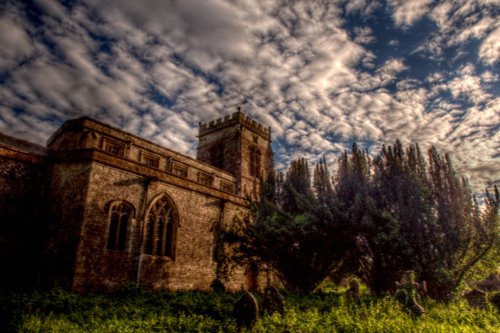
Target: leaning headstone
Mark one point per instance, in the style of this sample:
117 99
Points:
246 311
273 301
352 294
477 299
407 292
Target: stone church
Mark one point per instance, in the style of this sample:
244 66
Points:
99 208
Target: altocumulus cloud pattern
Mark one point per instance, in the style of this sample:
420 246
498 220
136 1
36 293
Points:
322 74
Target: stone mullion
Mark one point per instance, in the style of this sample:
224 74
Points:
154 236
113 225
118 211
122 230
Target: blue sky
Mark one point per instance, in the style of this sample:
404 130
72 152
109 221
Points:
322 74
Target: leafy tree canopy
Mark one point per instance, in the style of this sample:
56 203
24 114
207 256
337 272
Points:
374 219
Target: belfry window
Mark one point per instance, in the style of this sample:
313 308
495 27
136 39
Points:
161 229
254 168
120 214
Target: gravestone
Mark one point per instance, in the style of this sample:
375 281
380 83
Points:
477 299
246 311
273 301
352 294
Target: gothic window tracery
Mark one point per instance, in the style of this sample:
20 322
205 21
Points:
120 215
161 229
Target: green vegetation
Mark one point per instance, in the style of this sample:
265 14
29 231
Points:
138 311
374 219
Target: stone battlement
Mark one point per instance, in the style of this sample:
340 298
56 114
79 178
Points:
233 119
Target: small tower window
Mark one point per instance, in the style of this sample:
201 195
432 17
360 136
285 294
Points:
161 229
120 214
254 168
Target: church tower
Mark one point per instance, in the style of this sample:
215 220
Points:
238 145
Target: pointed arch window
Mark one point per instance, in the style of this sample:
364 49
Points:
161 229
120 216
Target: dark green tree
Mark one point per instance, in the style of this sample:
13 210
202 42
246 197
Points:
351 187
462 235
415 215
378 219
292 228
395 222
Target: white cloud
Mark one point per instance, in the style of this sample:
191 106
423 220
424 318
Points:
158 68
365 7
383 76
468 85
363 35
459 22
489 77
489 51
393 66
441 15
477 30
407 12
212 27
15 42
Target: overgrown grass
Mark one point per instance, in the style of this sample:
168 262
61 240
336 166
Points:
137 311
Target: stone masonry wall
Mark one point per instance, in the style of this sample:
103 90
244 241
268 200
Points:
233 137
250 139
61 196
228 142
100 269
22 222
68 189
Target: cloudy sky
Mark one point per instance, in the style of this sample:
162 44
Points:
322 74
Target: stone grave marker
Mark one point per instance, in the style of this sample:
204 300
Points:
273 301
246 311
477 299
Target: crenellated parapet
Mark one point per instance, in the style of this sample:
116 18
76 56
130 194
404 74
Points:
234 119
